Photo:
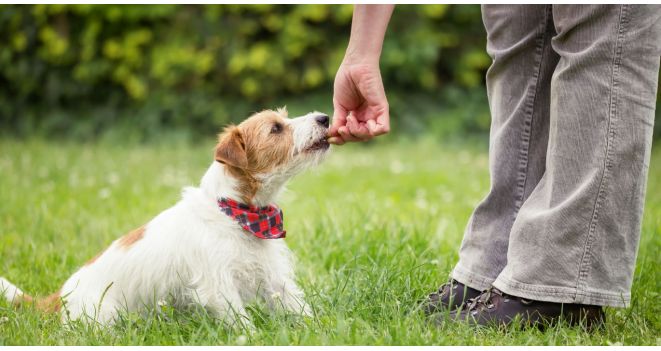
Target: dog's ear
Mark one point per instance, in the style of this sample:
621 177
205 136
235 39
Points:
231 148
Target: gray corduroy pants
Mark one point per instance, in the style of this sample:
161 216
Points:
572 92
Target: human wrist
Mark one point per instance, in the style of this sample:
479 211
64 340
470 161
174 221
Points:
355 56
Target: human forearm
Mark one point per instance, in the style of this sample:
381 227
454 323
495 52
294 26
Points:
359 100
368 29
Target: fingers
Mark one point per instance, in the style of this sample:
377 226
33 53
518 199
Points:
381 125
357 129
354 130
346 128
346 135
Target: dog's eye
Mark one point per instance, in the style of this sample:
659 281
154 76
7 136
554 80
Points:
276 129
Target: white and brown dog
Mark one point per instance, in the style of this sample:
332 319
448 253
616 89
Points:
209 248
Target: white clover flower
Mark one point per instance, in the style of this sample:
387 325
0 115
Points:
275 296
241 340
104 193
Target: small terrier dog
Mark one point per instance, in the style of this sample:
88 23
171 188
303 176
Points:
217 247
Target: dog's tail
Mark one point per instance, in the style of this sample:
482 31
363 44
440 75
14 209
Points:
17 297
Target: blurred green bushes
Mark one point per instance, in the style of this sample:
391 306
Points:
142 70
82 69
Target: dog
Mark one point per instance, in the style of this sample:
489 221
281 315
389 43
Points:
219 247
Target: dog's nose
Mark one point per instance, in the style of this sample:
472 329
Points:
322 120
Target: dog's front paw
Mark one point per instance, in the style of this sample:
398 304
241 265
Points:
307 310
298 306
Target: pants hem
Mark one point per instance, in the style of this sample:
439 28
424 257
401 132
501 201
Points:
470 279
561 294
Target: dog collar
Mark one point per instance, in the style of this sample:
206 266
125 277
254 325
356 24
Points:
264 222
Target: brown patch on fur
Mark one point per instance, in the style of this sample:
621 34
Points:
49 304
251 148
231 149
131 238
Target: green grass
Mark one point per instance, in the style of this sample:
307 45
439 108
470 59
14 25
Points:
374 228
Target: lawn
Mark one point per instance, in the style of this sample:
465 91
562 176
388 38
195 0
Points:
375 228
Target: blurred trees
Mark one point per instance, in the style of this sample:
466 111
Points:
80 69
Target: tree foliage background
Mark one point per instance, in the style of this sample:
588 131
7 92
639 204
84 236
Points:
81 70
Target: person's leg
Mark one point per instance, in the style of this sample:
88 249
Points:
519 42
575 238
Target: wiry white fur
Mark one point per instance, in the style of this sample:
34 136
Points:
192 253
9 290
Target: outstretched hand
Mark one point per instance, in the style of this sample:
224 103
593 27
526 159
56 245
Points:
360 104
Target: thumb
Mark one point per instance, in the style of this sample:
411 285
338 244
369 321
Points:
339 119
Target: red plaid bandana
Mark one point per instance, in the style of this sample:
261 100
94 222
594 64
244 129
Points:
263 222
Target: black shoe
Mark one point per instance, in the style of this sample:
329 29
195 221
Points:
449 296
493 307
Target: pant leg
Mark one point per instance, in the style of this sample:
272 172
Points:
519 42
576 237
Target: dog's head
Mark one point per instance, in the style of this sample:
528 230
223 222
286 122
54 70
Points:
267 149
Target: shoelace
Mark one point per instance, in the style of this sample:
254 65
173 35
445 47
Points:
485 299
448 285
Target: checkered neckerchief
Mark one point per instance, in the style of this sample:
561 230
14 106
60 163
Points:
264 222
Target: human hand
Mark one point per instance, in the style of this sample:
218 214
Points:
360 105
